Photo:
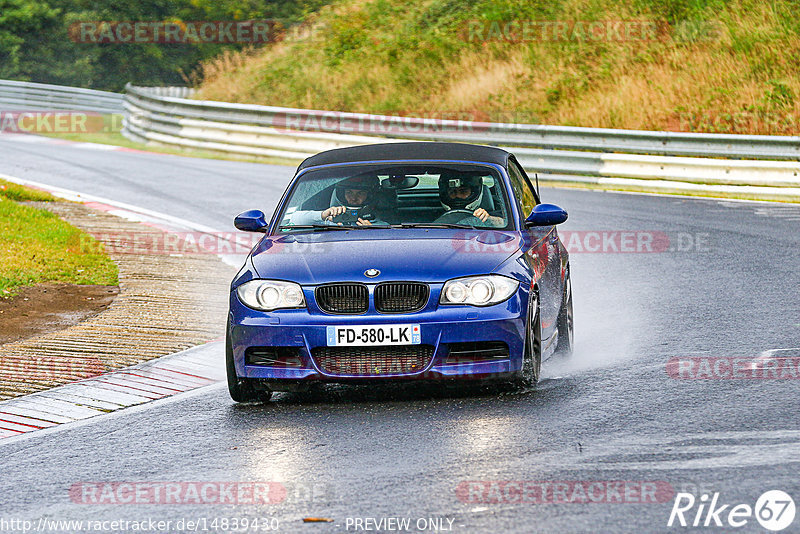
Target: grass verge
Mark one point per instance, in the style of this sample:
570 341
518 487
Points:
619 188
117 139
36 246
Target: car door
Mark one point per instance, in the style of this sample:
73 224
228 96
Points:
543 253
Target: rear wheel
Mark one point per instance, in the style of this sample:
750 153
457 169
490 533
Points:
241 389
532 351
566 335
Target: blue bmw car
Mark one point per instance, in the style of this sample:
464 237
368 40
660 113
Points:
400 261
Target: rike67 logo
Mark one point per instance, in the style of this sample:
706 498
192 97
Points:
774 510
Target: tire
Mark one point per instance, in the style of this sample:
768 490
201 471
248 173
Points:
532 351
565 323
241 389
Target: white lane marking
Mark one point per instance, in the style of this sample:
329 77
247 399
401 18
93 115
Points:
95 146
25 138
780 211
790 213
139 384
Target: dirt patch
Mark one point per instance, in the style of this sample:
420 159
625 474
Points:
47 308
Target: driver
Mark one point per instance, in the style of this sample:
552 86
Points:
353 200
466 193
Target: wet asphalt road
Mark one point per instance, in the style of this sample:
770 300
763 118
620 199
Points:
611 413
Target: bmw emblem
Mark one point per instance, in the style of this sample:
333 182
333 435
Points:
372 273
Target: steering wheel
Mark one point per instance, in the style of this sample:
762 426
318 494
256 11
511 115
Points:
458 216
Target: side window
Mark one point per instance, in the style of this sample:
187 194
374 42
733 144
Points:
525 198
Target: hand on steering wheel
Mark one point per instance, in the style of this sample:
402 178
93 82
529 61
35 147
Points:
459 216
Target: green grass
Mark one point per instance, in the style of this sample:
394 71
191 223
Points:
117 139
20 193
672 192
36 246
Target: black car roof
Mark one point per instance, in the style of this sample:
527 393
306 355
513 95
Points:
409 151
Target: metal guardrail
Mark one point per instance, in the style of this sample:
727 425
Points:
172 90
765 166
147 102
649 160
29 96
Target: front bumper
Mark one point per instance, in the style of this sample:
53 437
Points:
306 329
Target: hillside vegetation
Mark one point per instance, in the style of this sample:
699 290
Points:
694 65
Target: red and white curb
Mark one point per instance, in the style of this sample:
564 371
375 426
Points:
152 380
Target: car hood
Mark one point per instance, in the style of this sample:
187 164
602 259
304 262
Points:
433 255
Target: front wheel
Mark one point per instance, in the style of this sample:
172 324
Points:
532 351
241 389
565 323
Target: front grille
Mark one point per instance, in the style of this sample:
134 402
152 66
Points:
476 351
373 361
273 356
400 297
342 298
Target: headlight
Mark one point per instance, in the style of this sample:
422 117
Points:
484 290
268 295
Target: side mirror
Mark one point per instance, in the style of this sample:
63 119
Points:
546 215
251 221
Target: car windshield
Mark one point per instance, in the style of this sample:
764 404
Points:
397 195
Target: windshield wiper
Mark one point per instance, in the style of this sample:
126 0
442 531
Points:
312 227
432 225
328 227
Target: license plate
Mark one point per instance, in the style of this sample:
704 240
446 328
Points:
359 336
